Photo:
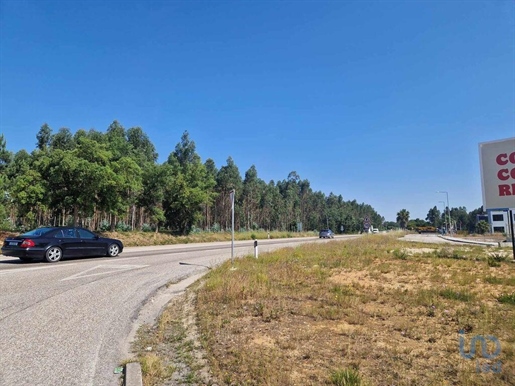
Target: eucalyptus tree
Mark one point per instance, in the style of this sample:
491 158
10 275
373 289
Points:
28 190
76 185
208 207
250 198
305 192
5 160
459 216
44 137
270 200
433 216
191 187
227 179
317 207
116 140
129 186
290 190
62 140
142 149
155 179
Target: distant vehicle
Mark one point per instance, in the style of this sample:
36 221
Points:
375 230
426 229
326 234
55 243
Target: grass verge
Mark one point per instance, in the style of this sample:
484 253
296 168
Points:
370 311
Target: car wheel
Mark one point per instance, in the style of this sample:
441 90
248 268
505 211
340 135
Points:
53 254
113 250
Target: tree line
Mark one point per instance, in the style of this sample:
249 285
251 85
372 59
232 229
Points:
457 219
112 181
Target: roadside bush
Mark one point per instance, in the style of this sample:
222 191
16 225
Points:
122 227
482 227
147 228
195 230
104 226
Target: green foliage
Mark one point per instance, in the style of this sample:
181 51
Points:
507 298
89 176
346 377
104 226
403 218
147 228
448 253
400 254
122 227
482 227
451 294
495 259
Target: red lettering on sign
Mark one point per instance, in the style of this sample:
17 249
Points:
503 174
501 159
504 158
504 190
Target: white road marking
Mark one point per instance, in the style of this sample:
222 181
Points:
104 270
17 270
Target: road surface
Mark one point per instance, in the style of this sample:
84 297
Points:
69 323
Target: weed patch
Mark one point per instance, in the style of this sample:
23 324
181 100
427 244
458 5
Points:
507 298
451 294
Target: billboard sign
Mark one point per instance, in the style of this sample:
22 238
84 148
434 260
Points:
497 161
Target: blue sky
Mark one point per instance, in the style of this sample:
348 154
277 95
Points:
382 102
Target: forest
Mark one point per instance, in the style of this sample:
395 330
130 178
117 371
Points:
112 181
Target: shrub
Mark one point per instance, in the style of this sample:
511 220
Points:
347 377
147 228
482 227
400 254
495 260
104 226
122 227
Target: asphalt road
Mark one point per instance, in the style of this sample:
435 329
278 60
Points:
70 323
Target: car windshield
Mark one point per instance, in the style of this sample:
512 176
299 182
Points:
37 232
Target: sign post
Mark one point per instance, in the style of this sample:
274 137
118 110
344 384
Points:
232 226
510 213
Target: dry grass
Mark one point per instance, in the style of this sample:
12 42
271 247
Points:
299 315
369 311
136 238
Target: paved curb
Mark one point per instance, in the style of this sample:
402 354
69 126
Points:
133 376
456 240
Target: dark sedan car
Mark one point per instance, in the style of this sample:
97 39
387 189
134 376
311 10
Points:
326 234
56 243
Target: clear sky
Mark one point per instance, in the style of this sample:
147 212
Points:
383 102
